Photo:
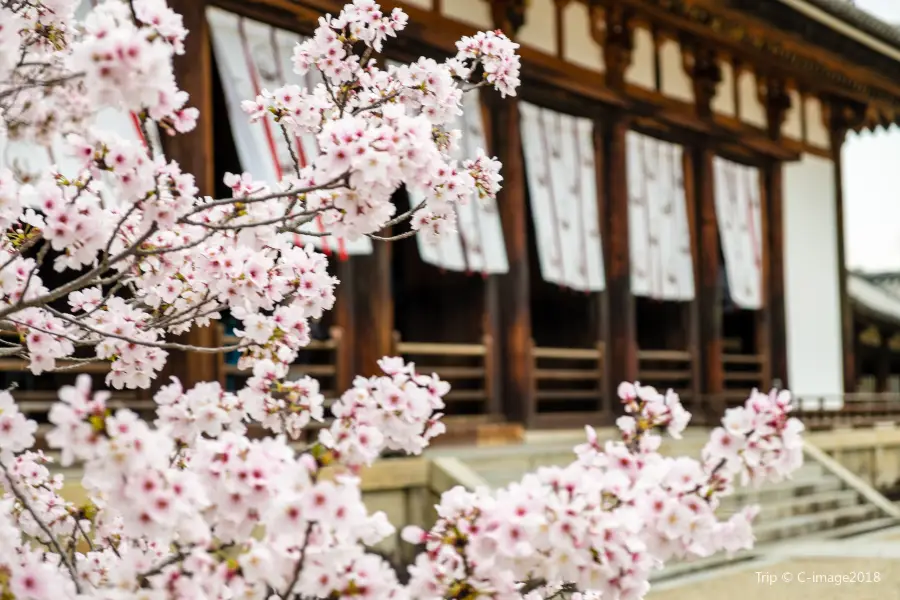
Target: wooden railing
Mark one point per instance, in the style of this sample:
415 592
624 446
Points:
742 373
567 382
36 403
468 368
847 410
320 359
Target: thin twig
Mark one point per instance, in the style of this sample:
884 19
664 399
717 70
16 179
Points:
53 541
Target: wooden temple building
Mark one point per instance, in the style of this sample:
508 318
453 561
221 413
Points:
671 212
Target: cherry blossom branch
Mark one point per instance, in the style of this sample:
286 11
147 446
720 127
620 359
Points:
300 562
335 183
162 345
40 522
27 245
80 282
38 84
168 562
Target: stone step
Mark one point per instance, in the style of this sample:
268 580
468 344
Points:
856 529
797 505
681 568
810 503
804 525
784 490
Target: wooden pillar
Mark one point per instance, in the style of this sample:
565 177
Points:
709 290
492 319
516 369
194 152
622 348
842 117
345 319
883 365
777 319
492 328
707 310
513 289
692 324
621 342
772 324
763 317
373 303
604 318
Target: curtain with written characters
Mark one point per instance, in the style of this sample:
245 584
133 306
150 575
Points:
659 233
252 56
562 190
739 216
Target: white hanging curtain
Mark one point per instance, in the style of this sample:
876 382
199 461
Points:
252 56
739 216
658 230
562 189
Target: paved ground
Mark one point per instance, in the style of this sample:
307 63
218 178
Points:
865 568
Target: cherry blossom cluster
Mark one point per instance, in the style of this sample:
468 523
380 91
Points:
126 54
601 525
396 412
193 507
370 123
145 256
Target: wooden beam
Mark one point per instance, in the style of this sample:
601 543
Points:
194 152
735 33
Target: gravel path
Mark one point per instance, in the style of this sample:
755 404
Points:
796 579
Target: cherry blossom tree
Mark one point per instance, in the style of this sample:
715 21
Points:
189 506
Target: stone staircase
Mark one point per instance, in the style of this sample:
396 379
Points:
814 501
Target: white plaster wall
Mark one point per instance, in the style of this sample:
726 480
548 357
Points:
752 110
871 163
642 71
723 103
579 47
674 81
473 12
539 30
793 120
816 132
812 297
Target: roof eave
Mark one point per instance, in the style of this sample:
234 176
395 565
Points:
853 22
